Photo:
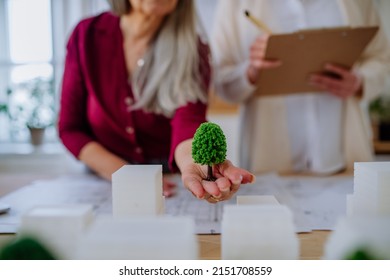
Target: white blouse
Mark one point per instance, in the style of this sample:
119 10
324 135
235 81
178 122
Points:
314 120
303 132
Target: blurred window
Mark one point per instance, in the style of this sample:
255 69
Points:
27 48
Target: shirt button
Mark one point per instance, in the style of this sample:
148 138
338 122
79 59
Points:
128 100
129 130
138 150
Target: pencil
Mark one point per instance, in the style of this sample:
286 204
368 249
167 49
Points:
257 22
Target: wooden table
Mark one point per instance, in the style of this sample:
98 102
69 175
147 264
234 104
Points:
381 147
311 245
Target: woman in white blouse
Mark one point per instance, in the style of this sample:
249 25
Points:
322 132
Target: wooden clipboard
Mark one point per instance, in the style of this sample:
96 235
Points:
305 52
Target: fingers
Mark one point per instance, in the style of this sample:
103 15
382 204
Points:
224 186
229 179
261 63
257 54
257 60
219 189
211 199
169 188
260 43
234 174
195 186
212 188
227 190
334 86
212 191
338 70
347 85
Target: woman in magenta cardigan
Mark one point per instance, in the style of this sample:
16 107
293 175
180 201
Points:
135 90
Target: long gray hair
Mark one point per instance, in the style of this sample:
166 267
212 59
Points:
169 77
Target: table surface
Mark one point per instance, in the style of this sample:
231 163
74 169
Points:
311 244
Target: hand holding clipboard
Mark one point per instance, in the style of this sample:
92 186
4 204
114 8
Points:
257 51
307 52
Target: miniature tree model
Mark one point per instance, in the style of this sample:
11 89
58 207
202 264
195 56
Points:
209 147
26 248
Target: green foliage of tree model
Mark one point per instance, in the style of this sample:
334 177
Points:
209 146
26 248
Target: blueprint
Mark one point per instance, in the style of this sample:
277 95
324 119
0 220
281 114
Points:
316 202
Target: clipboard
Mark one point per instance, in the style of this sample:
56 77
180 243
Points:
305 52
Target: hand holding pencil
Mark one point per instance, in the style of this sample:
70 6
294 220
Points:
257 60
258 51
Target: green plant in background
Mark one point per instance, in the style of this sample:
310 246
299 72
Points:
209 147
4 108
362 253
42 103
31 103
379 109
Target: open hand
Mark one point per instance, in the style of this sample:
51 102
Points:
228 181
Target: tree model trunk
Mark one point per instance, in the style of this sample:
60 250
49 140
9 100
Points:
210 176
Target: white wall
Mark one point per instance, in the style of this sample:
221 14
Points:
384 11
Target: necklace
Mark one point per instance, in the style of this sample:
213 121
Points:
140 62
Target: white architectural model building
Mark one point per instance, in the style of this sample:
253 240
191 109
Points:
371 194
370 235
256 199
59 227
366 229
137 190
258 232
140 238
